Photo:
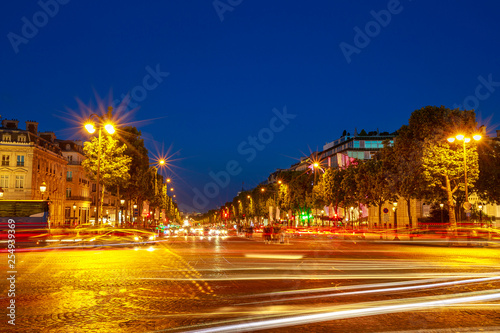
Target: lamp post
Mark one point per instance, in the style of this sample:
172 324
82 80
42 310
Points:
102 121
43 188
480 214
441 205
395 209
74 213
122 217
461 137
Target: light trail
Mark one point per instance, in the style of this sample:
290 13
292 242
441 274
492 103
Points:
329 277
383 290
361 310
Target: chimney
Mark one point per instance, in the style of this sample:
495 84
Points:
32 127
10 123
49 136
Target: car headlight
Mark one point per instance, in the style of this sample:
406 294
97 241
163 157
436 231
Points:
151 237
136 238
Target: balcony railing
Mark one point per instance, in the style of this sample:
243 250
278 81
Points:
78 198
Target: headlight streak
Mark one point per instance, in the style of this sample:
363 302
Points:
373 291
332 277
366 309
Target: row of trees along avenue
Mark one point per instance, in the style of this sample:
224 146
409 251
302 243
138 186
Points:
420 164
125 171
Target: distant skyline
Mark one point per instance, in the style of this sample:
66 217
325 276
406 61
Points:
245 87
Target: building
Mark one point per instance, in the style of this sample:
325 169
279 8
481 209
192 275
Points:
78 185
362 146
30 158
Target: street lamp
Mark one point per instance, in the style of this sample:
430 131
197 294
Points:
74 213
102 121
480 213
441 205
464 139
43 188
122 217
1 193
395 209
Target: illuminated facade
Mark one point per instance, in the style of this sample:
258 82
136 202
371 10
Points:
77 190
30 158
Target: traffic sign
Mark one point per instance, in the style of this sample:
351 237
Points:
467 206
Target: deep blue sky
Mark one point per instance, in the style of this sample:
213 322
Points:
226 76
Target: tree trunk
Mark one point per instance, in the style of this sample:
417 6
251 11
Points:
408 206
451 210
380 215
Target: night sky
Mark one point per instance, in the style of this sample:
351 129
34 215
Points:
245 86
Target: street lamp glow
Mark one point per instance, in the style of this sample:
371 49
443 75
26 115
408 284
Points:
451 140
161 162
262 189
466 140
90 128
168 180
1 192
460 137
109 128
316 164
43 187
477 137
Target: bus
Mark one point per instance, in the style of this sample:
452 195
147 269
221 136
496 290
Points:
31 218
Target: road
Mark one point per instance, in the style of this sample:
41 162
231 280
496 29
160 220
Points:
236 284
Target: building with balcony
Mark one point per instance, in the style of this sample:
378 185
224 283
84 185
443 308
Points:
29 158
78 186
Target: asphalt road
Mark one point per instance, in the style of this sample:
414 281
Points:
236 285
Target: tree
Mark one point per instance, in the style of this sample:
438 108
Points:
139 165
444 169
488 183
373 185
113 164
427 128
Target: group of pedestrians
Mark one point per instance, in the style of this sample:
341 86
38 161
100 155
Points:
273 234
248 231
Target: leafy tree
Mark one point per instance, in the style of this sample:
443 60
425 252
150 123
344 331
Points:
444 169
373 185
414 173
488 184
113 164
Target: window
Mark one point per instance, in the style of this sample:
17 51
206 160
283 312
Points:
70 158
6 137
20 160
69 176
21 138
68 192
20 181
4 181
5 160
